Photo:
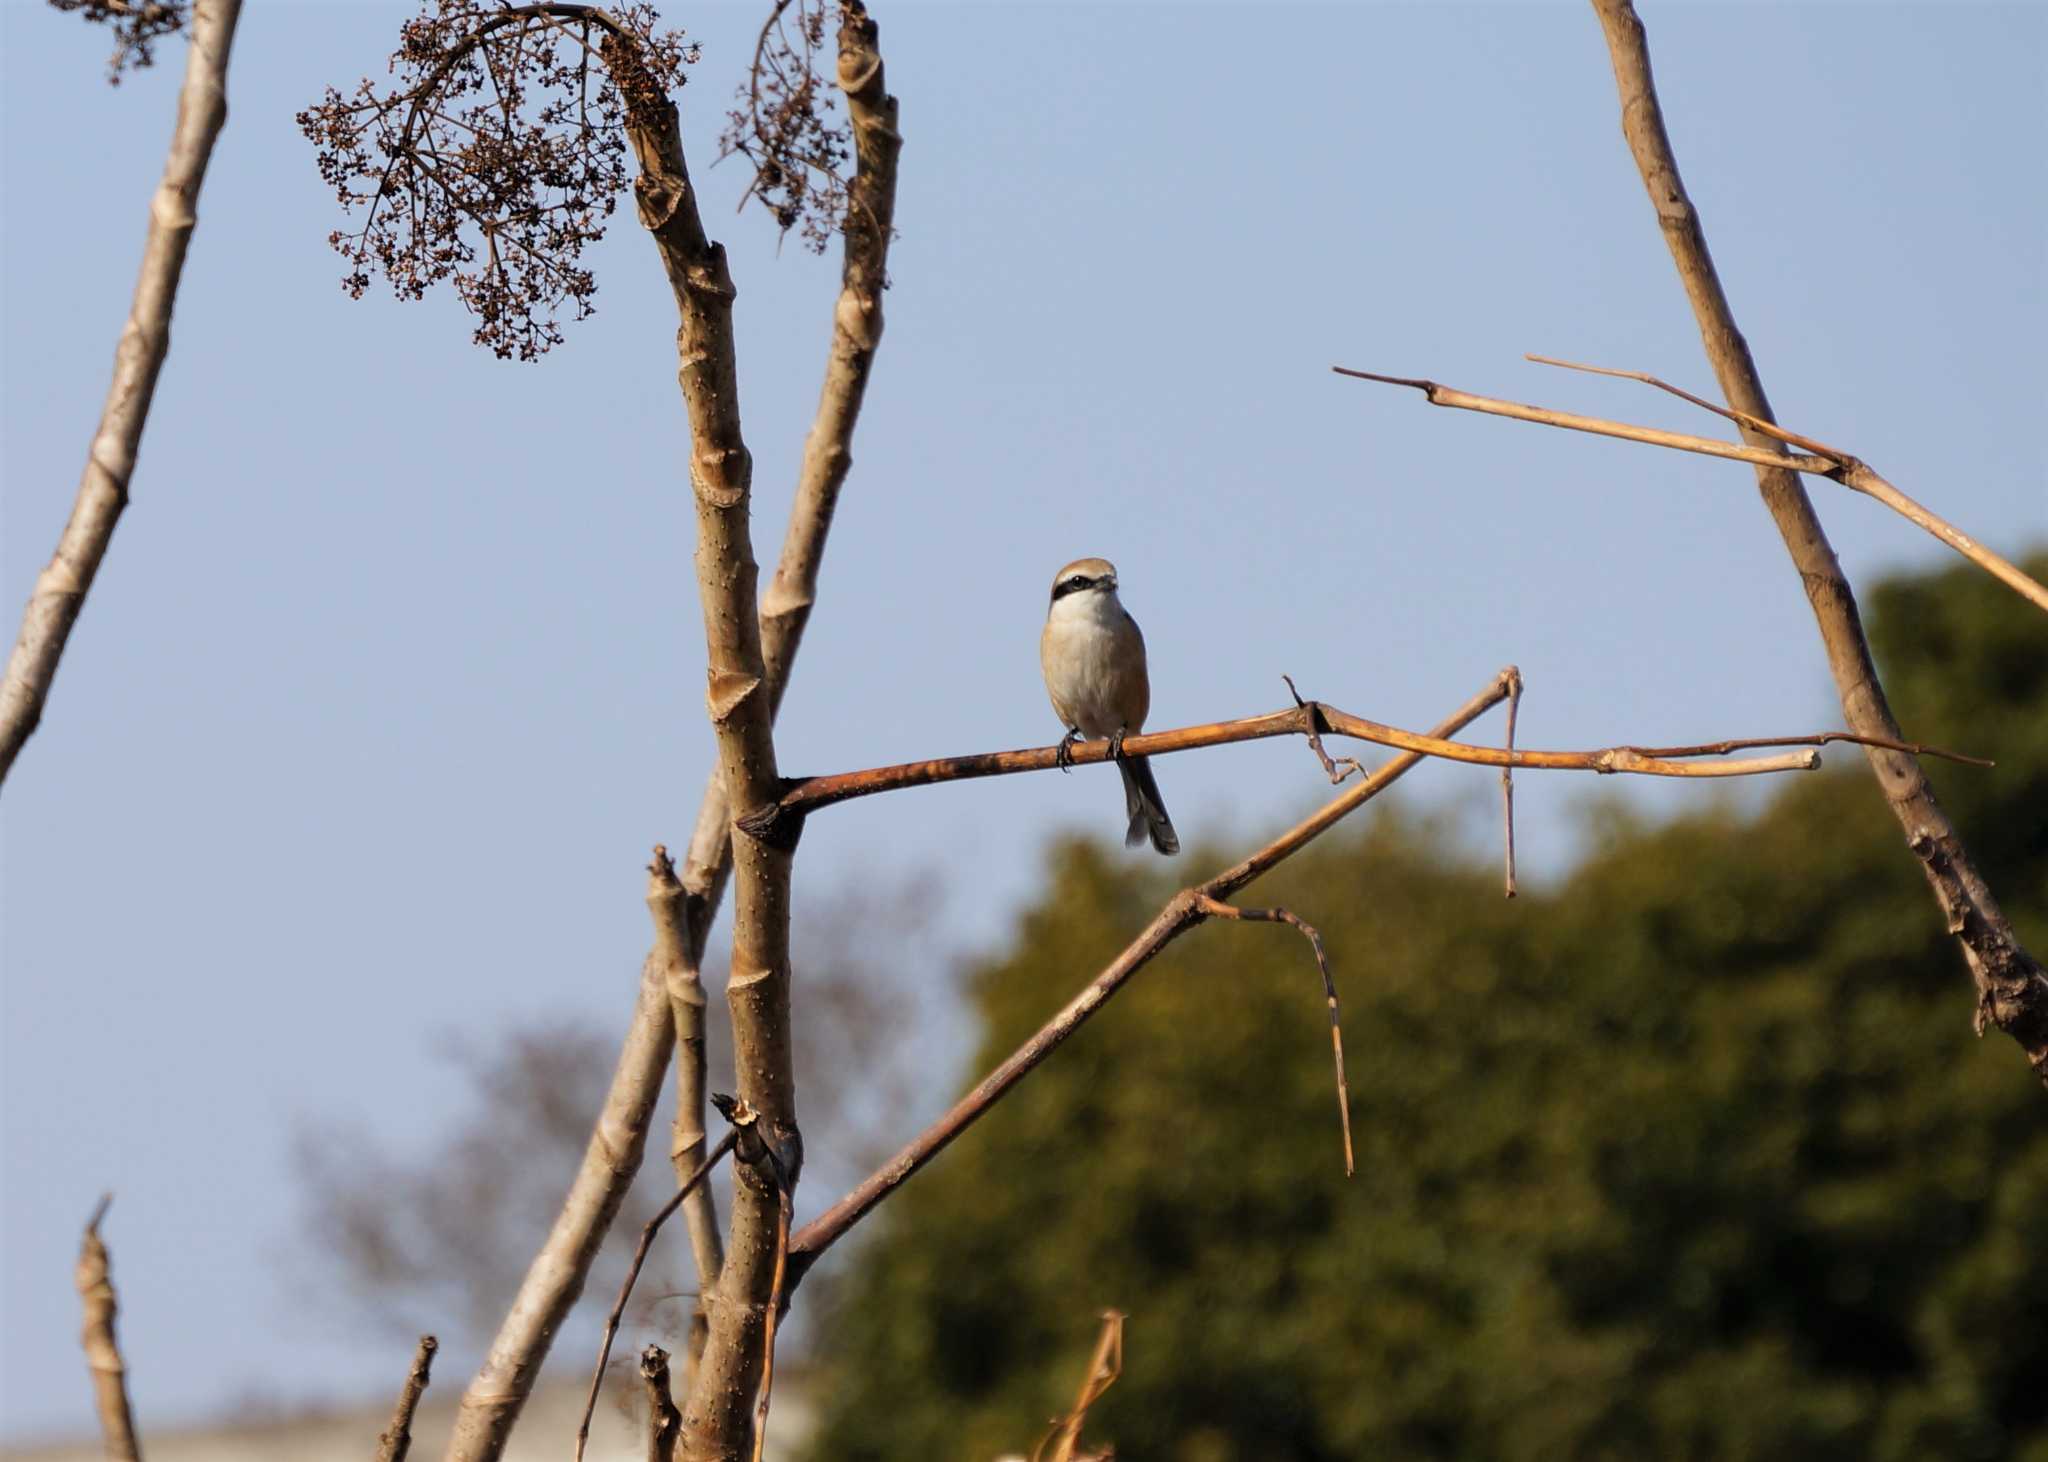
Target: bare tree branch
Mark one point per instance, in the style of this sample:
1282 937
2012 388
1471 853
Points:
60 589
792 591
681 973
1853 473
2012 987
1825 461
396 1440
552 1283
1309 718
1181 913
95 1282
491 1404
718 1419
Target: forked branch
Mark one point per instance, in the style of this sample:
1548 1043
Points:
1181 913
2012 986
1820 460
557 1272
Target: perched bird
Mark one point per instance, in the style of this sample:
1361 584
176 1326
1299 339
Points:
1094 662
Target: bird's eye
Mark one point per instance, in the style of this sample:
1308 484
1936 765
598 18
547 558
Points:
1079 581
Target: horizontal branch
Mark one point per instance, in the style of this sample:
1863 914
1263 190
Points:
1819 459
1310 718
1439 394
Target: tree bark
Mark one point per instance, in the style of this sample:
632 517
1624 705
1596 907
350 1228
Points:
60 590
2012 988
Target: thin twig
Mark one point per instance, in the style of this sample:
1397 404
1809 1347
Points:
60 589
1181 912
396 1440
1439 394
95 1281
1104 1366
1216 909
1853 473
611 1321
1822 738
806 795
1507 776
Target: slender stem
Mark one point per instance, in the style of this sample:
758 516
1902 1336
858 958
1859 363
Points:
60 589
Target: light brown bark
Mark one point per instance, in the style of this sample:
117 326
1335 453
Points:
95 1281
2012 987
394 1444
60 589
558 1270
718 1419
491 1404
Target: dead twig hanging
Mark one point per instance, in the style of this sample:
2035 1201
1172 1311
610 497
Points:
1216 909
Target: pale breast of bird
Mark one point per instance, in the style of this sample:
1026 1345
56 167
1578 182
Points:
1094 661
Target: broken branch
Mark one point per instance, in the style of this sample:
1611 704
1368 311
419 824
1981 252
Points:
95 1281
396 1440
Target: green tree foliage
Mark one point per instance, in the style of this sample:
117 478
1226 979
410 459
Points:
1692 1157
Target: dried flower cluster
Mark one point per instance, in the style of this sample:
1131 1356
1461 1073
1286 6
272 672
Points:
786 129
495 159
137 25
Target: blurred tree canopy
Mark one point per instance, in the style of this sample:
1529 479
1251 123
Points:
1693 1156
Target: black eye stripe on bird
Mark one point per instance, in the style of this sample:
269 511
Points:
1093 656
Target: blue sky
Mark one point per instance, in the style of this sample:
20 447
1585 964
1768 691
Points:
393 673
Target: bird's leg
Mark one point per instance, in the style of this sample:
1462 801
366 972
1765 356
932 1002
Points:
1116 745
1064 760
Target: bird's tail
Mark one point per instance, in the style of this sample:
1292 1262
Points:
1146 808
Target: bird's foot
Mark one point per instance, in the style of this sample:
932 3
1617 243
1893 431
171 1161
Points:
1064 757
1116 745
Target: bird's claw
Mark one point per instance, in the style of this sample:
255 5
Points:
1116 745
1064 757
